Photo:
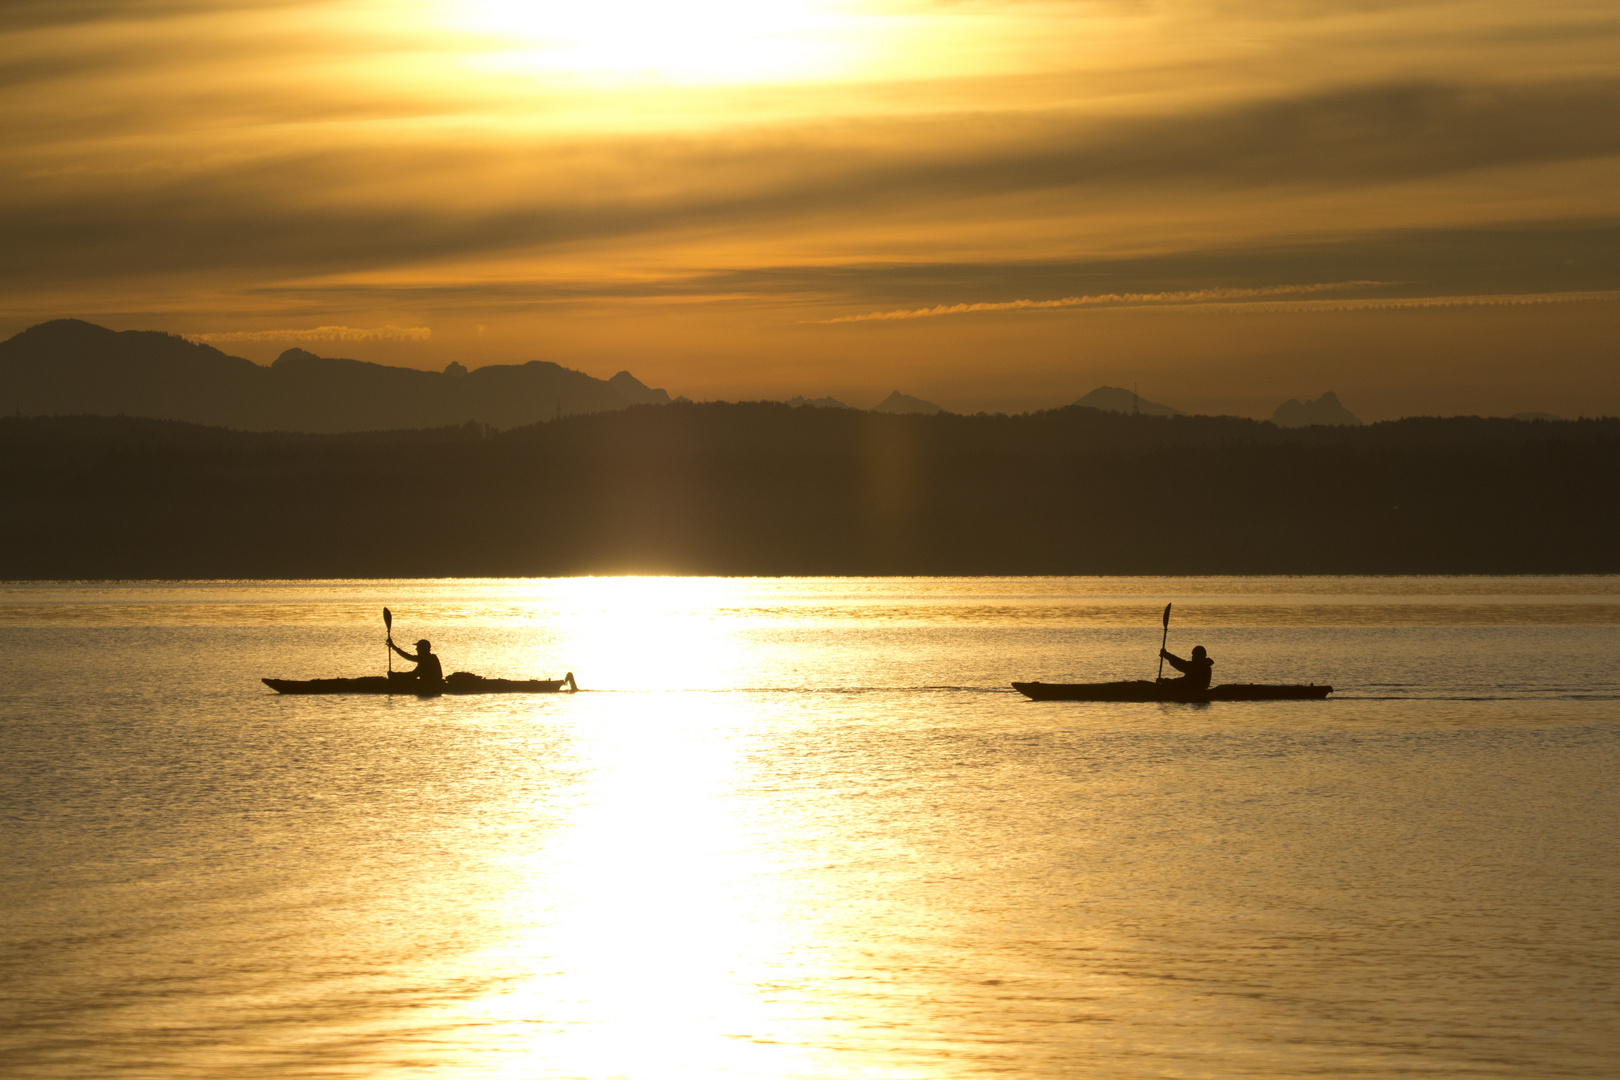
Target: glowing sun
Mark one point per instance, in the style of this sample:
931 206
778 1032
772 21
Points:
696 41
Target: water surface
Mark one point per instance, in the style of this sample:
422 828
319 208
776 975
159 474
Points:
801 828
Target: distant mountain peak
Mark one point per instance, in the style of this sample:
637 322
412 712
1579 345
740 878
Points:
906 404
67 329
1325 411
819 403
636 392
60 337
1113 399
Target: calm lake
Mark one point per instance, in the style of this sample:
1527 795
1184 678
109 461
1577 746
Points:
803 828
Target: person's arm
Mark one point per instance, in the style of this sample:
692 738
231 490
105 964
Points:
1175 661
409 656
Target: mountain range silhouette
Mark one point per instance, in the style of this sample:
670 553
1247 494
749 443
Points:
69 367
72 367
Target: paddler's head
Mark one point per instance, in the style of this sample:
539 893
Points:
1198 652
424 646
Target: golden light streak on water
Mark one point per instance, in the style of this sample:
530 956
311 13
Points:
641 633
662 936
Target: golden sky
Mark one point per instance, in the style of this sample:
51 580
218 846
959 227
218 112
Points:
992 204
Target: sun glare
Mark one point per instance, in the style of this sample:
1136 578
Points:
704 41
654 933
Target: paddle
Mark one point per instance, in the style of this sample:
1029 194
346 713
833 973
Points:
388 625
1162 643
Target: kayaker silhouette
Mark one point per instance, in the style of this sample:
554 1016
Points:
1196 671
427 664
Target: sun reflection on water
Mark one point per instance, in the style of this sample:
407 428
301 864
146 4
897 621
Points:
638 634
650 937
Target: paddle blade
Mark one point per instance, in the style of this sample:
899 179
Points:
1167 616
388 619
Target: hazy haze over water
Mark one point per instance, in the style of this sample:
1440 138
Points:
801 828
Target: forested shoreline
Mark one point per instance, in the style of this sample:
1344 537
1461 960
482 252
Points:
763 489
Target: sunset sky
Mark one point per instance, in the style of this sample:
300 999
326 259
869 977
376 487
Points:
991 204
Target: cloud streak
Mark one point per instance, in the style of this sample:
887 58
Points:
370 207
318 333
1198 296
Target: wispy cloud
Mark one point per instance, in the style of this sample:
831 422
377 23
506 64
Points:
1495 300
318 333
1196 296
380 205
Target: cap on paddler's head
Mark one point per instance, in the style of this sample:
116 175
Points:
1198 652
424 644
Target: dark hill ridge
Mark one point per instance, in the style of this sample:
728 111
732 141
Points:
763 488
69 367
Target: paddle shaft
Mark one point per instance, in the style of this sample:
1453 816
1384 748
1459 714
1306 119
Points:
1164 641
388 625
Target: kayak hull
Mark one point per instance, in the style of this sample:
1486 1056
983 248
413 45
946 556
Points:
459 683
1143 690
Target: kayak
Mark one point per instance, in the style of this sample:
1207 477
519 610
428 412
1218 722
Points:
1143 690
462 682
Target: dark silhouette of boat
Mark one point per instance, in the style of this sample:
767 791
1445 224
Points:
1144 690
462 682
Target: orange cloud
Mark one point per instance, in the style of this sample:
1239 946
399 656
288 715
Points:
1200 296
318 333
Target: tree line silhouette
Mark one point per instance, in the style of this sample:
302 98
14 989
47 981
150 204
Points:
761 488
